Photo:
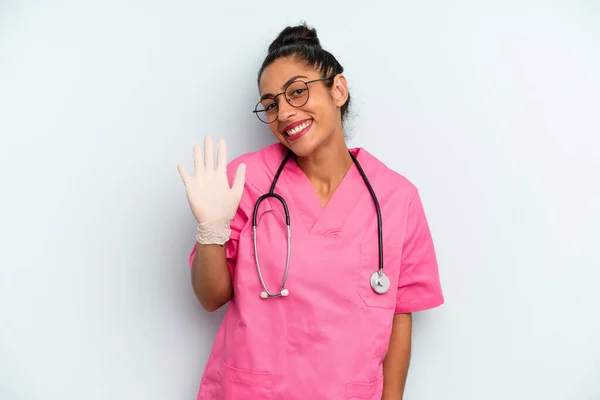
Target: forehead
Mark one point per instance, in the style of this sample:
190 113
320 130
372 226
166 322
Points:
277 74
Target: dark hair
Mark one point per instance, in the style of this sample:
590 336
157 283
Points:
301 42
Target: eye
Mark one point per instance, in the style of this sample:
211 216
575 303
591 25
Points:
298 92
271 107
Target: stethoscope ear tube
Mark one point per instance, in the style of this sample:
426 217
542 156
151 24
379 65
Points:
266 196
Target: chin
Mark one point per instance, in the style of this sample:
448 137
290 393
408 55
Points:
303 148
300 151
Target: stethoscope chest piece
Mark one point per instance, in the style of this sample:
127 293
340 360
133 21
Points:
380 282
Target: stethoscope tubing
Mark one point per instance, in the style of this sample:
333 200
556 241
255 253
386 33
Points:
377 211
289 242
271 194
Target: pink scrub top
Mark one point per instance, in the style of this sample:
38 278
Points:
328 338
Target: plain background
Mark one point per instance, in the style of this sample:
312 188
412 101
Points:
490 107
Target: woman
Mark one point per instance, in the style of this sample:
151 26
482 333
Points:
331 325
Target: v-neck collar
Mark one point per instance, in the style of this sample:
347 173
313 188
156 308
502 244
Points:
328 220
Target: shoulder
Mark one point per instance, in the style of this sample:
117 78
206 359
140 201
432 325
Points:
261 165
385 180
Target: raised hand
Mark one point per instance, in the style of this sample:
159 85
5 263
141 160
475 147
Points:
212 201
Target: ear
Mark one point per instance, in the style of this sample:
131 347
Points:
339 90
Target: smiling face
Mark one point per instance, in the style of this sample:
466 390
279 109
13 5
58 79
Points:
316 116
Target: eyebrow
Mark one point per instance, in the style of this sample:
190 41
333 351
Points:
293 78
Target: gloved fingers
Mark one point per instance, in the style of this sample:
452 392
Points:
185 176
198 161
209 154
222 155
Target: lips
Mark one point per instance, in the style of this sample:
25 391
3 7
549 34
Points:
299 130
295 124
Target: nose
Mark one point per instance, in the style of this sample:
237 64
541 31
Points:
285 111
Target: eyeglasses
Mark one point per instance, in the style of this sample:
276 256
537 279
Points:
296 94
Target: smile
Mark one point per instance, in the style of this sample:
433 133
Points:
298 128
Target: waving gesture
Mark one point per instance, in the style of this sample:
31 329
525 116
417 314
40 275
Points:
212 200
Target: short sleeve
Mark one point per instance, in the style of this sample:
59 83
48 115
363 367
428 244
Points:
419 286
237 224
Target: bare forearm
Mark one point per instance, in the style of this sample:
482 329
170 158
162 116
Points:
397 359
211 279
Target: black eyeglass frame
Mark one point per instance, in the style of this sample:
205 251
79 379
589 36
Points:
274 98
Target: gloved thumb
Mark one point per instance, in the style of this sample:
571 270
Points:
239 180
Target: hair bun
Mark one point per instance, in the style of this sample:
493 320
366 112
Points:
300 34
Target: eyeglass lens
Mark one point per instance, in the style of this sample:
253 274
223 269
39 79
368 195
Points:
296 94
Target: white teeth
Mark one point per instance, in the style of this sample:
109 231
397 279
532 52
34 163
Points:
299 128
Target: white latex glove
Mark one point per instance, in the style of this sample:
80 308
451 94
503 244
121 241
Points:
212 201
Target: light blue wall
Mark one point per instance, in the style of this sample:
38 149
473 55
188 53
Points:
490 108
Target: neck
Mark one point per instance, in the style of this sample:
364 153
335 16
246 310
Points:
327 166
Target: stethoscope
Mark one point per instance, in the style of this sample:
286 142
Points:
379 280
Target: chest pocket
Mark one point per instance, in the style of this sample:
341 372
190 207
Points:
369 263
